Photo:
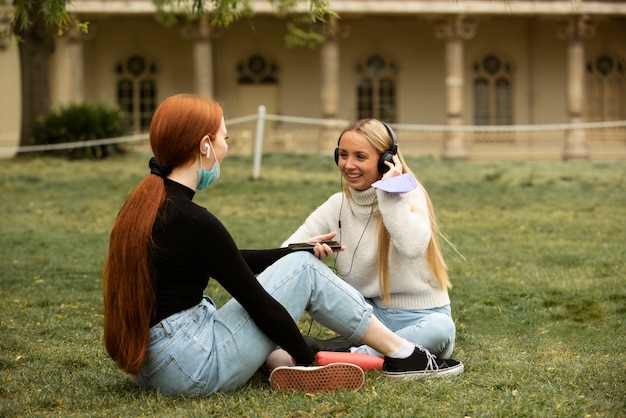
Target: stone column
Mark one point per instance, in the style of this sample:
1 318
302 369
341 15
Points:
76 86
455 31
575 31
329 58
200 34
67 73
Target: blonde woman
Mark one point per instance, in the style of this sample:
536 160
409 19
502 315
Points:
390 238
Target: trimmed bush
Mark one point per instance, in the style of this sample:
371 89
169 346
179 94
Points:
83 122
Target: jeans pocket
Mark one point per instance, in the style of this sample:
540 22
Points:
171 378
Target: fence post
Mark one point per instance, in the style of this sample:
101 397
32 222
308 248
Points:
258 143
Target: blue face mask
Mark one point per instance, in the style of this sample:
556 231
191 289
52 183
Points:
207 177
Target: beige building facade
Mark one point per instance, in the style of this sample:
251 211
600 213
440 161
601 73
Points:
426 67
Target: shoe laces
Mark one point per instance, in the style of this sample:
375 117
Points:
432 360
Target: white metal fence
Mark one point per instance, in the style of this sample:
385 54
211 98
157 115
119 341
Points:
262 132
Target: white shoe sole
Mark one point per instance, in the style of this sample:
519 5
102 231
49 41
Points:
327 378
422 374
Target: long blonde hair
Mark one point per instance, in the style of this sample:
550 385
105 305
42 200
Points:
378 135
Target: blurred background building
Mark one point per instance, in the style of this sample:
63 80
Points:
424 66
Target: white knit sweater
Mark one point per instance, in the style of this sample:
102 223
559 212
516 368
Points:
411 283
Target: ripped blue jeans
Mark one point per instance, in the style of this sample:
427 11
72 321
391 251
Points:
433 329
203 350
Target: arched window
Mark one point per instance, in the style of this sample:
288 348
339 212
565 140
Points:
606 88
257 69
136 90
492 88
376 88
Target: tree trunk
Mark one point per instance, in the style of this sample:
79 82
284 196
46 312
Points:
35 49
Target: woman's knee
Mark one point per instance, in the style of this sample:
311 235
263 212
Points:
440 326
442 331
445 323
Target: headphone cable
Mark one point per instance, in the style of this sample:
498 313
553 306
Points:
369 218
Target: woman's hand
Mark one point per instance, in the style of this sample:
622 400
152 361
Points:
321 250
395 169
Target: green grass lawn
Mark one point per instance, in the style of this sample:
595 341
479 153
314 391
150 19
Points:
539 294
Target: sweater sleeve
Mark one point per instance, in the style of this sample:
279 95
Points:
321 221
406 218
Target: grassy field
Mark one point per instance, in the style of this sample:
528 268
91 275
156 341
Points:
539 292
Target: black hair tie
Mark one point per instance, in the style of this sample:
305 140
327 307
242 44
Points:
159 169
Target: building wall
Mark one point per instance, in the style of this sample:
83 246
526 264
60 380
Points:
419 56
509 39
531 44
116 39
299 68
10 97
549 71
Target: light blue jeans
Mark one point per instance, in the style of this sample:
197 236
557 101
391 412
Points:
203 350
433 329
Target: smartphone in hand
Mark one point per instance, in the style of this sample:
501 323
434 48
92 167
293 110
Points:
305 246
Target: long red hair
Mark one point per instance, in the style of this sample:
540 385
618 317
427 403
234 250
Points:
176 130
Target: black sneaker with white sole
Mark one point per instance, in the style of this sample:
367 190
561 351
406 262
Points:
421 364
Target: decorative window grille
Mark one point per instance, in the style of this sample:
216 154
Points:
606 88
376 88
492 89
136 90
257 69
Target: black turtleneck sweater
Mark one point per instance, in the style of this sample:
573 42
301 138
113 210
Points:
191 245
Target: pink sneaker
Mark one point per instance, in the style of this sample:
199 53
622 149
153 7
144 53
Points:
327 378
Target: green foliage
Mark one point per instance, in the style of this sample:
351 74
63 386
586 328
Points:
83 122
539 296
297 37
224 12
54 12
301 28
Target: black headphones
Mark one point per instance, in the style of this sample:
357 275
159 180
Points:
386 156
